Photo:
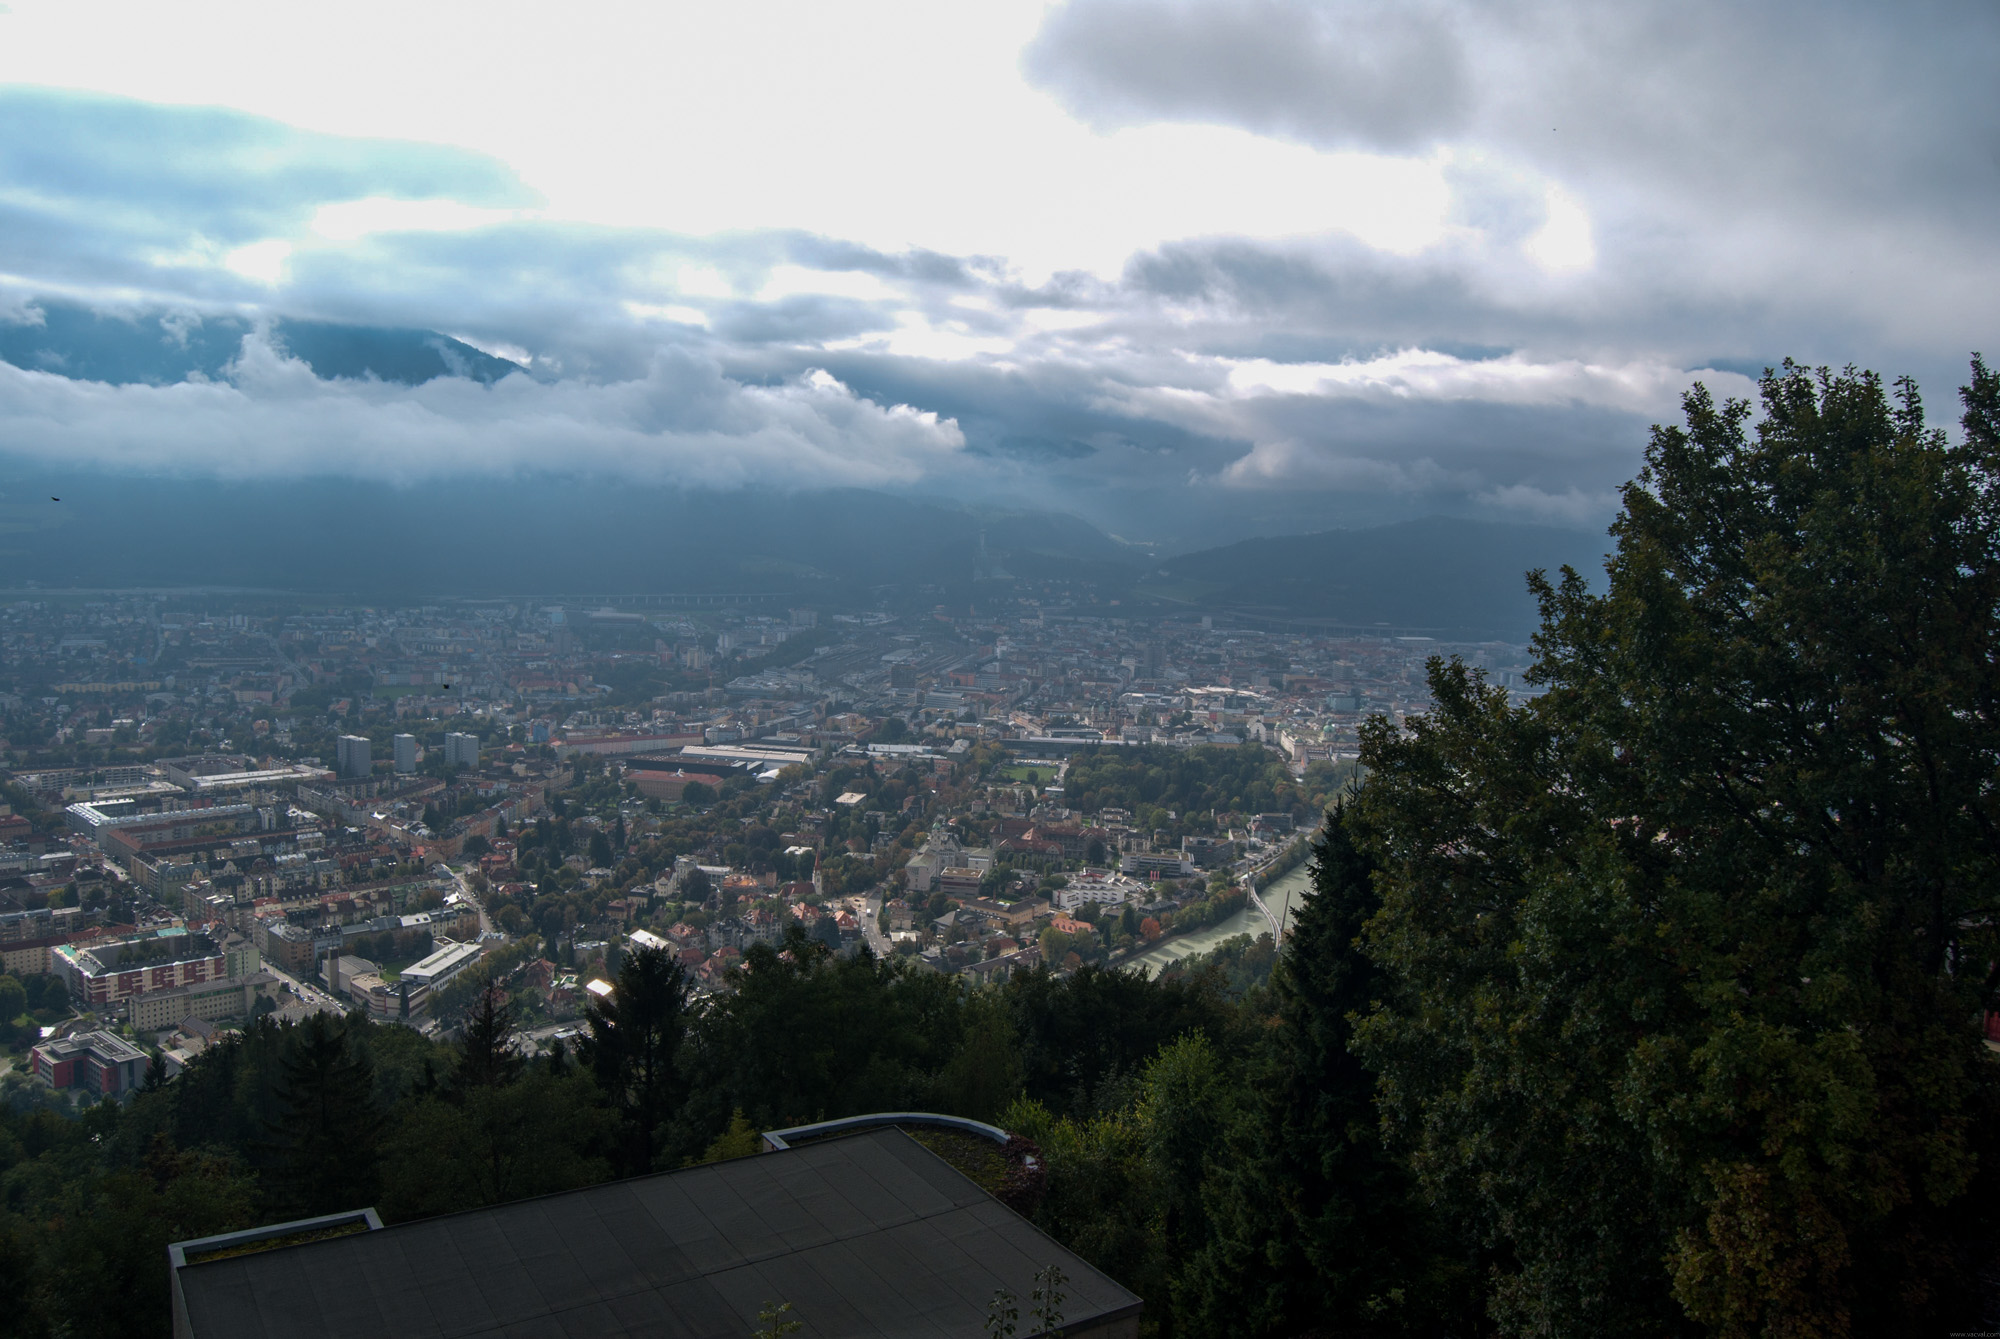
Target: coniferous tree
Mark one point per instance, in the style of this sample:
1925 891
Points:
635 1037
486 1056
324 1145
1313 1219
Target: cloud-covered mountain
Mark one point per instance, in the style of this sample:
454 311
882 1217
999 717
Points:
567 535
534 536
1434 575
154 348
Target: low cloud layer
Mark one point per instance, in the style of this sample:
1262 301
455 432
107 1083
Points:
683 422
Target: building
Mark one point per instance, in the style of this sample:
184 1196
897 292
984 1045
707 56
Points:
461 750
1002 967
122 831
253 782
97 1062
351 756
1157 865
1208 852
288 947
434 971
210 1001
646 939
614 746
1009 916
406 753
667 778
862 1234
1104 889
114 971
385 1000
959 881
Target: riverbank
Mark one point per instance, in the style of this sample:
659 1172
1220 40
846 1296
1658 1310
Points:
1278 896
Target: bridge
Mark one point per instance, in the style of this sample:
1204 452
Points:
1277 930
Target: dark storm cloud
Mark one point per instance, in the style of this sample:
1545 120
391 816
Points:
1758 179
1883 108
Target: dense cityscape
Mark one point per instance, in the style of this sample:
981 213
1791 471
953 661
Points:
312 807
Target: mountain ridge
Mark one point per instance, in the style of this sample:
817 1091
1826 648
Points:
165 347
1437 572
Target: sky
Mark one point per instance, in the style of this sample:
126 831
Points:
1193 270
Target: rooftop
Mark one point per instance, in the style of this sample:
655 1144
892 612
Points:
870 1234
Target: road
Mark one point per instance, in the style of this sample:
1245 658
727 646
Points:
313 996
485 922
871 926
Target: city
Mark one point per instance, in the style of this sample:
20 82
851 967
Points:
334 807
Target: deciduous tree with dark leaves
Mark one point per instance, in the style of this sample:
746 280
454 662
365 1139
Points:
1688 956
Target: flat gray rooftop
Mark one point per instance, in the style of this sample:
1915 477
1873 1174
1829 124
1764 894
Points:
870 1234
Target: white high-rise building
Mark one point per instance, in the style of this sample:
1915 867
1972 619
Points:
461 750
406 754
351 755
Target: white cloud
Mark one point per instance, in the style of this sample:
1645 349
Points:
1287 463
674 312
352 220
1517 379
790 281
703 281
263 261
1572 507
1564 241
513 353
682 423
895 124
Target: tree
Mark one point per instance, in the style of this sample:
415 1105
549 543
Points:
541 1132
738 1141
105 1253
1313 1220
13 1003
323 1145
1689 951
1100 1201
600 850
985 1073
486 1056
632 1048
1086 1036
1184 1110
